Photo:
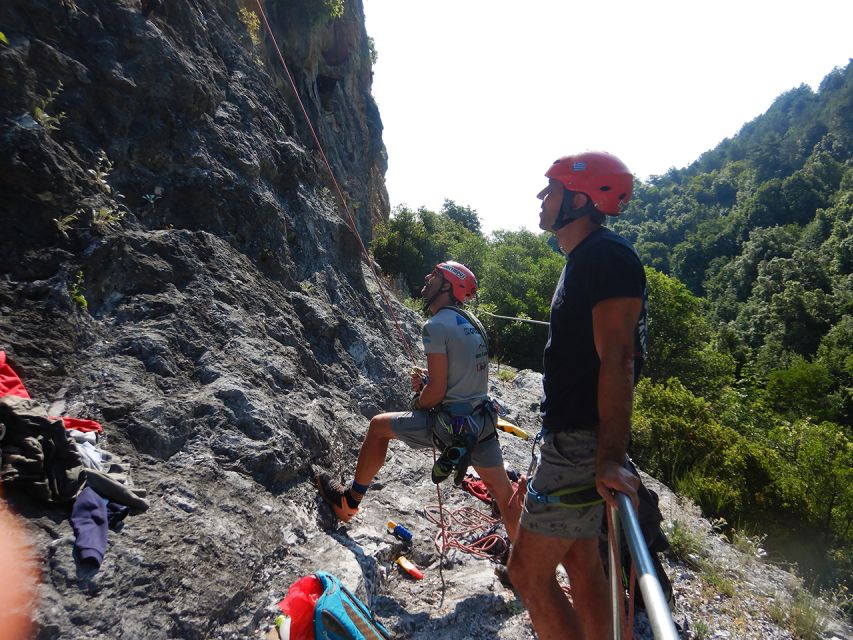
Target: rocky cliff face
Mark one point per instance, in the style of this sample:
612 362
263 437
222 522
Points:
173 265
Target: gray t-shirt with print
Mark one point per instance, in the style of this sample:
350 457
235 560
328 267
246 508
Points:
450 333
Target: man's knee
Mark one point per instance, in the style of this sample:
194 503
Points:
520 571
526 571
380 427
499 487
583 561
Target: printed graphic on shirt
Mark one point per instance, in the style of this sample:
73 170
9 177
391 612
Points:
451 334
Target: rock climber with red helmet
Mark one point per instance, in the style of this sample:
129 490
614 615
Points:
596 341
450 410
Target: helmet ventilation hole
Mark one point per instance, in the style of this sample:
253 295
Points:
604 188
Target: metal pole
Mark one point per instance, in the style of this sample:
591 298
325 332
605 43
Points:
657 608
616 590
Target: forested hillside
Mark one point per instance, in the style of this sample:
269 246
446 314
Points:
746 402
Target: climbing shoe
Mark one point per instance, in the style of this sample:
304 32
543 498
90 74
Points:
336 496
443 467
455 457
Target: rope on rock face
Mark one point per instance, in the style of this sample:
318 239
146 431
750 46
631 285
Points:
443 534
338 192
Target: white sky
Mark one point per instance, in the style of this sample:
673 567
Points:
478 97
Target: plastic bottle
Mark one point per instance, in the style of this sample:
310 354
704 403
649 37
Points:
399 531
282 625
410 568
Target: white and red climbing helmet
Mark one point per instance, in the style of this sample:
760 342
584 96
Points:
463 282
602 177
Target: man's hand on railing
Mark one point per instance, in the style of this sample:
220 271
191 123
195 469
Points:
612 476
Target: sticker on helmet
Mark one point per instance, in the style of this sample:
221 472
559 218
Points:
457 272
579 166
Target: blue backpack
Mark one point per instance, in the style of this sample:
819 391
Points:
340 615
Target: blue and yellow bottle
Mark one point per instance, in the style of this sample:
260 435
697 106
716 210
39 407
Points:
399 531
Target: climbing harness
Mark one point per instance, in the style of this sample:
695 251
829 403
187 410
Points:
571 498
464 429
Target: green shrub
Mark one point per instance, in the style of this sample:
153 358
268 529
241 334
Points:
74 289
252 23
40 113
807 616
715 577
314 11
714 495
684 545
371 50
751 545
506 374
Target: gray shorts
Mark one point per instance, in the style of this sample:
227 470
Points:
415 428
567 462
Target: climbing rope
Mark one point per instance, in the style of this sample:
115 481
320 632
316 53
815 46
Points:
467 529
528 320
351 223
467 524
338 192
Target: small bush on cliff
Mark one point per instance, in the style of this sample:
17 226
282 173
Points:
252 23
335 8
64 224
40 113
314 11
371 50
74 290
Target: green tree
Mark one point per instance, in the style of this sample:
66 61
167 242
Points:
466 216
822 459
680 344
802 390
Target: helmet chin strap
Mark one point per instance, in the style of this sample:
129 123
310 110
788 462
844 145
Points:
568 215
441 289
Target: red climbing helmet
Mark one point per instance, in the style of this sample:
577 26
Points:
603 177
463 282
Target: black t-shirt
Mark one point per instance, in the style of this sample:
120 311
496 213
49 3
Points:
602 266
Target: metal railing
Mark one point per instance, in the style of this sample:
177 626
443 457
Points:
657 608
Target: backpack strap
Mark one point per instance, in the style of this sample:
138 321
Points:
340 615
470 317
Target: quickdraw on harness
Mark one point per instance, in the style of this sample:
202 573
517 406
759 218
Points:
464 428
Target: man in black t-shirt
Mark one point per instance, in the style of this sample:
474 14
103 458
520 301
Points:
597 332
